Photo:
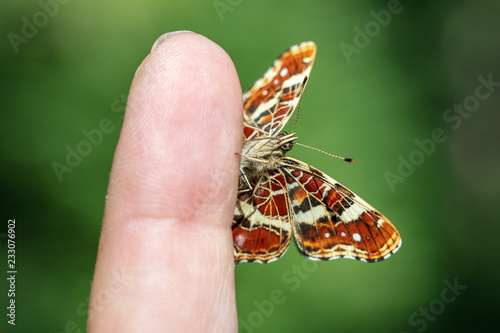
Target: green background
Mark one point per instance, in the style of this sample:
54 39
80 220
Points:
371 105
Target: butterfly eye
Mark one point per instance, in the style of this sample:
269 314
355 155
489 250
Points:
286 146
281 134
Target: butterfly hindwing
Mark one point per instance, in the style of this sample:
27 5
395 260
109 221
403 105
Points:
329 221
261 222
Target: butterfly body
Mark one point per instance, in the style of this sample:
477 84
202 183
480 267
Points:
279 196
260 158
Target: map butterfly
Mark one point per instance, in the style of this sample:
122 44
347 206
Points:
279 195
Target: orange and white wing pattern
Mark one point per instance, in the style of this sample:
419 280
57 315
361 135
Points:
329 221
261 223
278 196
271 101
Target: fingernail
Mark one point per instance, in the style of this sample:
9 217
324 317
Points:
165 36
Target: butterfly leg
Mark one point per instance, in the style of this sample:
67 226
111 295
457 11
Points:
250 188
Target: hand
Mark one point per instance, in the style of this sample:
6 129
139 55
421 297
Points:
165 261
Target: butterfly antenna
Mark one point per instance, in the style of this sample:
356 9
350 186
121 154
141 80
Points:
298 105
296 117
256 159
324 152
258 139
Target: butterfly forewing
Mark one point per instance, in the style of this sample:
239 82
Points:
271 101
278 195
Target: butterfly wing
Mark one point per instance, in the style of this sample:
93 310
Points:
330 222
271 101
261 222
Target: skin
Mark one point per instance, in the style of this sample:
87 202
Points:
165 260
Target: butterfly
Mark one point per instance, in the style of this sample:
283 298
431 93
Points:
279 195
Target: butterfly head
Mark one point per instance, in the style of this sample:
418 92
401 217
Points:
261 156
285 141
268 148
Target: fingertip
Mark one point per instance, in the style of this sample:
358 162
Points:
182 126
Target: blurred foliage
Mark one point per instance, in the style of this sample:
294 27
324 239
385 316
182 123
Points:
76 68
